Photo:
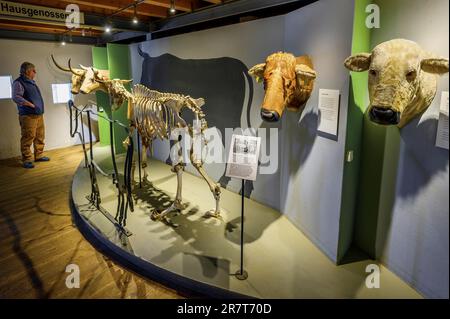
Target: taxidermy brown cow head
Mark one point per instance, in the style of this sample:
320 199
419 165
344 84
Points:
288 83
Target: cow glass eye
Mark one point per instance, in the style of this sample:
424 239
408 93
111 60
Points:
411 75
373 73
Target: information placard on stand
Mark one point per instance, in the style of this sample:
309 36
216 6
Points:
243 163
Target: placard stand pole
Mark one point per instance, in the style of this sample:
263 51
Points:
241 274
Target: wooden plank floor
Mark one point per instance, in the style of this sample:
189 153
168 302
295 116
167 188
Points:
38 240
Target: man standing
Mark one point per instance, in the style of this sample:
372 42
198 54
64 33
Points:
30 104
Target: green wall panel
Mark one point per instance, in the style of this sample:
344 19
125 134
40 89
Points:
119 68
376 190
356 109
100 61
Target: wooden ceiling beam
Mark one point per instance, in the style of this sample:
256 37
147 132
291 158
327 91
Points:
214 1
144 10
180 5
41 28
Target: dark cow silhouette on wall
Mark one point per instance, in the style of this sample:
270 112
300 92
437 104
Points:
220 81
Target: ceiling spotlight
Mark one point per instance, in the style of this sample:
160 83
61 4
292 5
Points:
135 18
63 42
108 27
172 9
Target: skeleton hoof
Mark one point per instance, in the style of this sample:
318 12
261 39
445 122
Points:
213 214
181 205
156 216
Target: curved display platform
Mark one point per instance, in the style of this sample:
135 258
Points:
200 256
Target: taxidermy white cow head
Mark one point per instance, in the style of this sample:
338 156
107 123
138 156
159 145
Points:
402 80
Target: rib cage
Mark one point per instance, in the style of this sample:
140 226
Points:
156 113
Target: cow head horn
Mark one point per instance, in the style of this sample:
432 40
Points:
126 81
83 67
58 66
76 72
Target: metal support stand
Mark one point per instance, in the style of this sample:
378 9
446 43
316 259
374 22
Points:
139 158
241 274
119 227
94 198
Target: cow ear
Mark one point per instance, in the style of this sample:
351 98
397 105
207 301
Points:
258 72
435 65
305 73
359 62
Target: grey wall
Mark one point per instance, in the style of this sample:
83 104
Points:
412 234
312 166
307 186
14 52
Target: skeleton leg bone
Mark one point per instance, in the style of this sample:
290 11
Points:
214 187
144 161
177 204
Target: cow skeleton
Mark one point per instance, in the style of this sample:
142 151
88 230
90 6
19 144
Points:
155 115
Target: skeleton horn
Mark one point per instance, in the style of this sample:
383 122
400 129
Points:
94 70
58 66
126 81
83 67
142 53
72 70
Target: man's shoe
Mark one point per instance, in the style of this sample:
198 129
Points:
43 159
28 165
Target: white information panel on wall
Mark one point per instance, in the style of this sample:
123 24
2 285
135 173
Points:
243 157
329 111
442 132
61 93
5 87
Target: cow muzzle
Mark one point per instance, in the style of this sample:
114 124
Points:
384 116
270 116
